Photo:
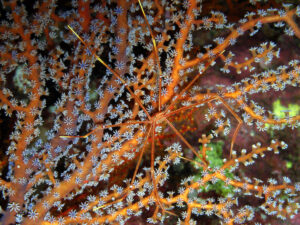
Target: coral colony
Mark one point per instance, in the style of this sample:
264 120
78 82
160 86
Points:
149 112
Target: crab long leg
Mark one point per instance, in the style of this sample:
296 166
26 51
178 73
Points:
133 177
140 157
101 127
208 63
153 172
156 54
213 97
240 122
185 142
113 72
190 106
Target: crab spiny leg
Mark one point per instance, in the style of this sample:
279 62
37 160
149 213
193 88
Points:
156 54
113 72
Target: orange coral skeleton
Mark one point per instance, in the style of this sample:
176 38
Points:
159 117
